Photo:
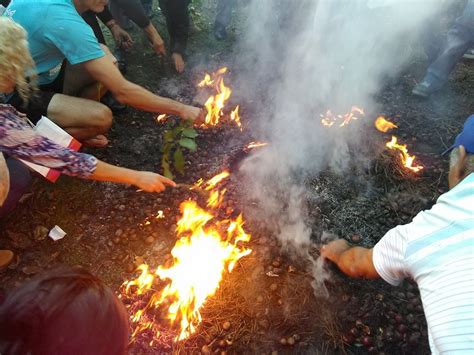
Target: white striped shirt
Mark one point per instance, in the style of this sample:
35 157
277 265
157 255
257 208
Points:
437 250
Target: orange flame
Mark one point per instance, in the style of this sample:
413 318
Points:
407 159
215 104
161 118
234 116
205 250
330 119
252 145
383 125
211 183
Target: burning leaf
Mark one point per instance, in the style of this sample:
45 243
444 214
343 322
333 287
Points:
383 125
406 159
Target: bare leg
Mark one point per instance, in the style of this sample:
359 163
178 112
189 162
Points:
84 119
78 82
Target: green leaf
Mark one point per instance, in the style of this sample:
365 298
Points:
169 136
166 168
179 160
190 133
188 143
177 131
166 149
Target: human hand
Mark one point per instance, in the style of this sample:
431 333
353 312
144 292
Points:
192 113
121 37
158 45
178 62
334 249
151 182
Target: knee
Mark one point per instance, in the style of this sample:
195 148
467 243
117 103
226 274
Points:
103 118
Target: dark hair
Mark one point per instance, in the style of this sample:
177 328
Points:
64 311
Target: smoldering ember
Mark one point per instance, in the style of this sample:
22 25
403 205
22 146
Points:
320 121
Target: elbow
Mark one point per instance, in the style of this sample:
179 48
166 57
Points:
122 92
120 96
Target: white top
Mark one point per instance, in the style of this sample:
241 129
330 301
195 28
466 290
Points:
437 250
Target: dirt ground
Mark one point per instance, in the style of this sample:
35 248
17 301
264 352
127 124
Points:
108 234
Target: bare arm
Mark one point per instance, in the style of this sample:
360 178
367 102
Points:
353 261
105 72
155 39
145 180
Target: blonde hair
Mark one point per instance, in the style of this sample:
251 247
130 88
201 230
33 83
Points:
15 58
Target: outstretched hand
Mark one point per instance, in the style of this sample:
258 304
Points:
195 114
178 62
121 37
334 249
152 182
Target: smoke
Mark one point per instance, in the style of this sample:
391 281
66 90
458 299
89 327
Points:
300 58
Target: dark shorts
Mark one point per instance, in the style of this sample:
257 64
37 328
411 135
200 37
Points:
38 103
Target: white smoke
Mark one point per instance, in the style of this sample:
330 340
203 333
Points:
300 58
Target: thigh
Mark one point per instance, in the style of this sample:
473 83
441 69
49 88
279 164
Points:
76 79
68 111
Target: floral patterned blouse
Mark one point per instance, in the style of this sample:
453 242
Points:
19 140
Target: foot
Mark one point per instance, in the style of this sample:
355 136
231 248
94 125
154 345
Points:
99 141
6 257
110 101
178 62
220 33
429 85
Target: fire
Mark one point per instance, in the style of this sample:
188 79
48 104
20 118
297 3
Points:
407 159
330 119
215 104
234 116
383 125
252 145
161 118
211 183
206 248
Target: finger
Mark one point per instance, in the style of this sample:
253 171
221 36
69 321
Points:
167 181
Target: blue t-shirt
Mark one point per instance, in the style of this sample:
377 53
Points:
55 31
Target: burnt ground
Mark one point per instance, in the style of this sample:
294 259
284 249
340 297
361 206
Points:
108 233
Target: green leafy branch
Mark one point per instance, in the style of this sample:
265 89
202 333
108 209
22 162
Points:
175 140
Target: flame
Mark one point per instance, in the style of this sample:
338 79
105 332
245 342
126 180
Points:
211 183
161 118
407 159
206 248
330 119
234 116
252 145
215 104
383 125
